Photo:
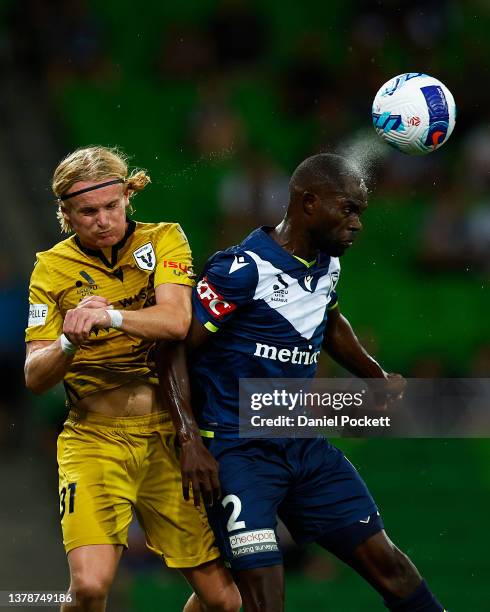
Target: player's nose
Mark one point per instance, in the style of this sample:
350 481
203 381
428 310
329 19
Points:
355 225
102 218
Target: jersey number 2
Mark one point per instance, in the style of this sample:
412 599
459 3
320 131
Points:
233 524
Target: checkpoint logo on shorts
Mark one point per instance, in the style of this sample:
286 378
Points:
253 542
37 314
145 257
212 301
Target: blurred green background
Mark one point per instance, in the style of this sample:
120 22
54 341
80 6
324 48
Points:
220 100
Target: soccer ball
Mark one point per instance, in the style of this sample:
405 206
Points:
414 113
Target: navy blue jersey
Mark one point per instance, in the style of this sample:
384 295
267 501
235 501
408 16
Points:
268 310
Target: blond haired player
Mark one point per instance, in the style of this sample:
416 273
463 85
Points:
98 302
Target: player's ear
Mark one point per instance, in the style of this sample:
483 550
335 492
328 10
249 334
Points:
65 213
310 202
127 198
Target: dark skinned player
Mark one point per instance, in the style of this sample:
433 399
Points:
264 309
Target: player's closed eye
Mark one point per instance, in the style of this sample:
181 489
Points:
93 211
353 208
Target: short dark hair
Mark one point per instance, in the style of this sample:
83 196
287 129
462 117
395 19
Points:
324 169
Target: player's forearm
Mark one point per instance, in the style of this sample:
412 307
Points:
46 367
341 343
175 389
160 322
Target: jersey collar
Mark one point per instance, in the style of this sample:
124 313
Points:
115 249
264 232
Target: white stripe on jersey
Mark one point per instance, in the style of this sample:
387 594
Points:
303 309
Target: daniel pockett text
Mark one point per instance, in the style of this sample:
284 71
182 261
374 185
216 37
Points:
301 405
304 408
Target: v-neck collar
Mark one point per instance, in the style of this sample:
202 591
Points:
264 232
115 249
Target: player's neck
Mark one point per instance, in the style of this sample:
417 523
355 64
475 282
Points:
293 240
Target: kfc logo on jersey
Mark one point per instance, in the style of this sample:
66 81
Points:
212 301
145 257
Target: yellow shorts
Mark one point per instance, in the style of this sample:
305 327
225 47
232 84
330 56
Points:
107 467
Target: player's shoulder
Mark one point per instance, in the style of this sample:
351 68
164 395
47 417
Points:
49 265
238 259
234 264
230 274
61 249
159 231
235 258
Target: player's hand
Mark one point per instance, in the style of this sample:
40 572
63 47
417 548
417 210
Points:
395 386
79 323
389 392
200 470
94 301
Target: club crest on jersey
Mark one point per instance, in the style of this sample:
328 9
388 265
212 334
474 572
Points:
212 301
145 257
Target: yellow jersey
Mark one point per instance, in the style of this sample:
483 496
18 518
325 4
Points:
149 255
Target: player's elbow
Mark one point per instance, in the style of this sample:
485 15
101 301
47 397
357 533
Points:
178 328
33 380
178 335
33 383
181 328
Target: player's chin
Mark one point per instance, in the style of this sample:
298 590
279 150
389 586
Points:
340 248
107 240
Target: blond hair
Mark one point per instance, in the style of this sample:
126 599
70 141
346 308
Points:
94 163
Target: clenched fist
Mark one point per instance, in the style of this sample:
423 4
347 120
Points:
89 314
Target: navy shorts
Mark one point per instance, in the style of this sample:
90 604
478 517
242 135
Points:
308 483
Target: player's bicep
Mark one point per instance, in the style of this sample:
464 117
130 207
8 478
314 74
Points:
176 300
334 315
334 323
45 320
227 284
210 306
177 297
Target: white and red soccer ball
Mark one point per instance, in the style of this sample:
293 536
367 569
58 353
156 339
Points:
414 112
